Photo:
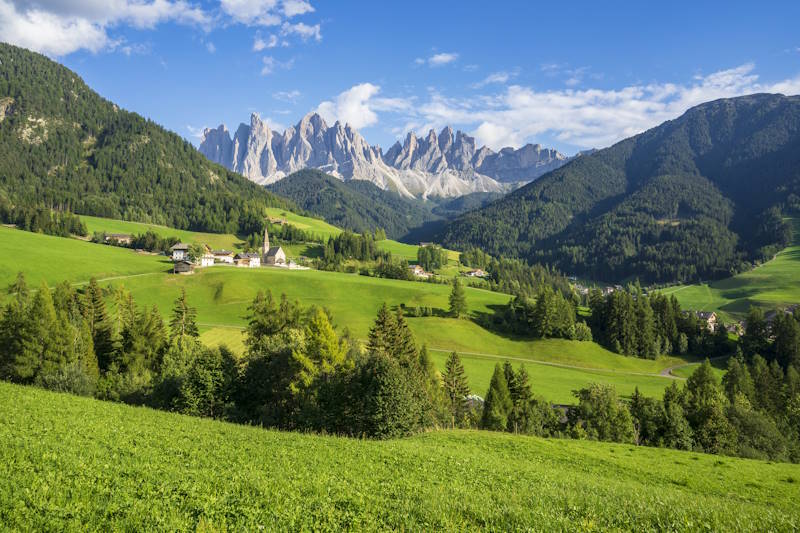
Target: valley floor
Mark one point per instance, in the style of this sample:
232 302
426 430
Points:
79 464
222 295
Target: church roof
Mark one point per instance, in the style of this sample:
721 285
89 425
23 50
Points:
274 250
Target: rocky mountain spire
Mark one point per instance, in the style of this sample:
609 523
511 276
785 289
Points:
446 164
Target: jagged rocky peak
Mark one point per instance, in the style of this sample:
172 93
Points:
443 164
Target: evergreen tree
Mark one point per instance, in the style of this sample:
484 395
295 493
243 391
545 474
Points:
383 335
737 380
183 323
99 324
756 337
498 404
406 348
456 387
706 412
15 364
458 299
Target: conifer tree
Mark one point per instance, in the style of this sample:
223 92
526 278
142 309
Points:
455 386
183 323
99 324
406 347
383 334
458 299
498 404
14 331
737 380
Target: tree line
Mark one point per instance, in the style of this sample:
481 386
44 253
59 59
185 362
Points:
299 373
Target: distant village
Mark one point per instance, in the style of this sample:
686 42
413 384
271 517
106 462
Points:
273 256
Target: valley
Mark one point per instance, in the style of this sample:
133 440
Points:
222 295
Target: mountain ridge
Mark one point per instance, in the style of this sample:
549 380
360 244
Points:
443 165
697 197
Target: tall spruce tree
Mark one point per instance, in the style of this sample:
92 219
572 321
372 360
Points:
383 334
456 387
497 404
184 319
458 299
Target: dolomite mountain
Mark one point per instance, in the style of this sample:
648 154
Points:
442 165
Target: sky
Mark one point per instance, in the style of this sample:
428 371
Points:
567 75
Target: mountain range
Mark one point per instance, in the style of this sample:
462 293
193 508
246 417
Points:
702 196
445 165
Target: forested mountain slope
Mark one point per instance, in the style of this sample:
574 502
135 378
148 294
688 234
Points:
356 205
698 197
63 146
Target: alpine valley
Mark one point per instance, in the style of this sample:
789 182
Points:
445 165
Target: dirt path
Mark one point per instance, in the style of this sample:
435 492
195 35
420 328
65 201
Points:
667 372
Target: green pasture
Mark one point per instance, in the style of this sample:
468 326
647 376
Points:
77 464
775 283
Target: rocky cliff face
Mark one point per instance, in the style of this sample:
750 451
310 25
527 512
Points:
444 165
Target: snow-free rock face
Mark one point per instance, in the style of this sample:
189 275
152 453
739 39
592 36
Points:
437 165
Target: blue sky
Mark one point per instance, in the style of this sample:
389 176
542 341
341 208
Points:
569 76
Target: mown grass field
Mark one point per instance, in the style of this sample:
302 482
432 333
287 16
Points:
773 284
55 259
217 241
76 464
222 294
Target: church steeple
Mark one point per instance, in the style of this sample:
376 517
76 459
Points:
266 243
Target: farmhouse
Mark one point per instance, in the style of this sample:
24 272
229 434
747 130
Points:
179 251
477 273
120 238
248 260
223 256
419 272
182 267
207 260
272 255
708 319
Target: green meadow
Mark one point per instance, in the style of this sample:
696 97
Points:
222 294
77 464
773 284
55 259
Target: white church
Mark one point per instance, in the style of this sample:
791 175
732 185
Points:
272 255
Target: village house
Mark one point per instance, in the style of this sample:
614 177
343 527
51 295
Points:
207 260
424 244
272 255
247 260
419 272
183 267
120 238
223 256
708 319
477 273
179 251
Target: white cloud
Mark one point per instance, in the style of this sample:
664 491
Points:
293 8
62 27
196 132
495 77
269 65
287 96
359 106
210 47
264 12
260 44
586 118
437 60
304 31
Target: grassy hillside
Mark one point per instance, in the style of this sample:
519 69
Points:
225 241
222 294
775 283
76 464
55 259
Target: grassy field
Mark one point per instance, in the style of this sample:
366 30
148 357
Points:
77 464
775 283
55 259
221 295
315 226
217 241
